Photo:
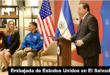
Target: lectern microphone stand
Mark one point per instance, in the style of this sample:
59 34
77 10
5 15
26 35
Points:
63 51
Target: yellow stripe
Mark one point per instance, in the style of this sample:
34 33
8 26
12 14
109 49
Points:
73 50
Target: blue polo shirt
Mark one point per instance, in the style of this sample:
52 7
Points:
8 39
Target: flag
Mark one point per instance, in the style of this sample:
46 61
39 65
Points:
65 19
45 23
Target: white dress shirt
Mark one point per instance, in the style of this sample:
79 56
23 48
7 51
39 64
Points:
85 15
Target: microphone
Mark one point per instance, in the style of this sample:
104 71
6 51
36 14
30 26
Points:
69 25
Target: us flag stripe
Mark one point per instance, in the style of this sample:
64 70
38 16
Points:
45 23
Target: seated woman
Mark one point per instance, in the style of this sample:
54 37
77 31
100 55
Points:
10 44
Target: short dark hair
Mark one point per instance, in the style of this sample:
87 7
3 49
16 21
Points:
85 5
34 24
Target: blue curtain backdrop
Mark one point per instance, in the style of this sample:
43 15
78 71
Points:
105 44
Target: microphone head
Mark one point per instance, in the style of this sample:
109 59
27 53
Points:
76 18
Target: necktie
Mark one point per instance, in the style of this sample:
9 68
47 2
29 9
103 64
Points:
79 27
80 24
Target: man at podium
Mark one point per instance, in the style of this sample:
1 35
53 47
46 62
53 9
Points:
87 37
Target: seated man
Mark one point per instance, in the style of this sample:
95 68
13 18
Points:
32 41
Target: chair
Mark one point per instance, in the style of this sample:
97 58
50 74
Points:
35 58
50 54
19 48
12 57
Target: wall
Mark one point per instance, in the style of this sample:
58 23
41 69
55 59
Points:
4 2
74 9
95 10
40 3
95 6
52 8
57 9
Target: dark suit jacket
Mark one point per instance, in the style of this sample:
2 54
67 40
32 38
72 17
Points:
14 42
88 33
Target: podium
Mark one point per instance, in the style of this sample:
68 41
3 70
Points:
63 51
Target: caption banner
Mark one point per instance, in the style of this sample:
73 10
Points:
34 70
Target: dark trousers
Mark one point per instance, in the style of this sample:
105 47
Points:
91 61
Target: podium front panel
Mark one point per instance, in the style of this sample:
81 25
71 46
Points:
65 58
